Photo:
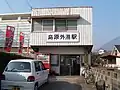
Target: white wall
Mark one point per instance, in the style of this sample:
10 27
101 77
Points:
20 24
84 27
118 62
62 50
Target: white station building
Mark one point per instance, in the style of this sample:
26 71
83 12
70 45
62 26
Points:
65 33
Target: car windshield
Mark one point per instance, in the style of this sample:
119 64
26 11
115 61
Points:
18 67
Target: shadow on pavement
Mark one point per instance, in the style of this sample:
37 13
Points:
60 85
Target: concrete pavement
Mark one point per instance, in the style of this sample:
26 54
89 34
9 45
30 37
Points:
67 83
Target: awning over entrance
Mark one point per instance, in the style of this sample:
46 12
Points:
64 49
88 48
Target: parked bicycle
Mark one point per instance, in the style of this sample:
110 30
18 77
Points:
89 75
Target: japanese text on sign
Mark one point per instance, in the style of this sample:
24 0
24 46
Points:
59 37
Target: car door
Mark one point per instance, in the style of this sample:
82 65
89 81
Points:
38 73
45 71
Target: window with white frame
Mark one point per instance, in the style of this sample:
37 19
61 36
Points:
47 25
42 25
66 24
60 25
37 25
71 24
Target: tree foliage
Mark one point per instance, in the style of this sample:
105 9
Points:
96 58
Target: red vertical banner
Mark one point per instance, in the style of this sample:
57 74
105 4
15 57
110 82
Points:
21 40
9 38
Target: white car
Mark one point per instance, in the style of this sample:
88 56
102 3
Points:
24 74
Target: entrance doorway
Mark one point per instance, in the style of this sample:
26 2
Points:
69 64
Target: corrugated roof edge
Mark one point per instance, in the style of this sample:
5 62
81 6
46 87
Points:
66 7
15 13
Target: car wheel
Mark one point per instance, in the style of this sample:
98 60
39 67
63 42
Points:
36 87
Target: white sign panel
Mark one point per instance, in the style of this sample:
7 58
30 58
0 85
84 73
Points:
62 37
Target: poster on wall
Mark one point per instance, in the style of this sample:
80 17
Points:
9 38
21 42
54 60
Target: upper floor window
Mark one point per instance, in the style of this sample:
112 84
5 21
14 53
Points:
9 18
37 25
47 25
61 25
42 25
71 24
64 25
24 18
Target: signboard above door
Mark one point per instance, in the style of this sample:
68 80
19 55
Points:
62 37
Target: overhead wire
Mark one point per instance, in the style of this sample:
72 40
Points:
13 10
9 5
28 2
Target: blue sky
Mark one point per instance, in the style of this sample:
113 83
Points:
106 14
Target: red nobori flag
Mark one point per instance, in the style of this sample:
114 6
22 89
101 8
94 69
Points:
21 40
9 38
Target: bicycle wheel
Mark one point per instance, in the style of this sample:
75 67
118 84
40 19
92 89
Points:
89 79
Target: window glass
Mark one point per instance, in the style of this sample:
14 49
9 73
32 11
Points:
65 24
60 25
71 24
18 67
47 25
37 66
37 25
42 65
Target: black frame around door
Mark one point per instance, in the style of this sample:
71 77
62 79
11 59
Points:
67 66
